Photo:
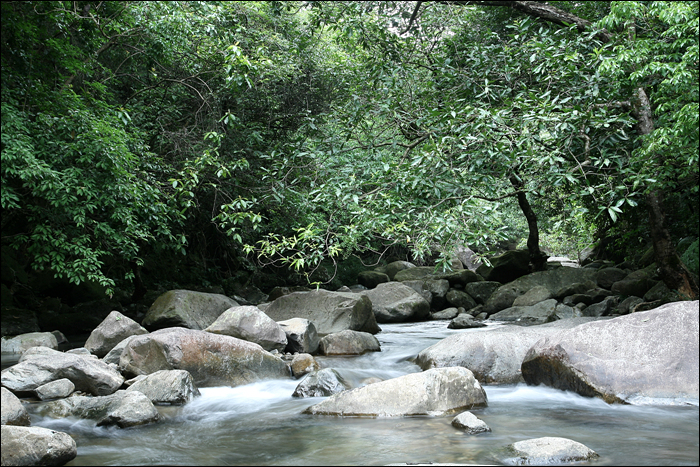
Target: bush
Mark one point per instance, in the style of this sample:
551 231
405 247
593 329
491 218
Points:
690 257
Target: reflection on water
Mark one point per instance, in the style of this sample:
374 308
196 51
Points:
261 424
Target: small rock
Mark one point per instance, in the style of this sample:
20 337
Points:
468 422
547 450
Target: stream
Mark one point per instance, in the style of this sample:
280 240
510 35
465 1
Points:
261 424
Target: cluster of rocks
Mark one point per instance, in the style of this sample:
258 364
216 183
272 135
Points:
189 340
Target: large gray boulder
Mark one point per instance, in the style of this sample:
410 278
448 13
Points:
547 451
19 344
394 302
396 266
432 290
438 391
41 365
533 296
12 410
114 328
481 291
460 278
123 409
55 389
606 277
185 308
506 267
167 387
460 299
321 383
250 324
652 354
329 311
115 354
211 359
411 274
540 313
553 280
302 336
493 354
636 283
32 445
348 343
371 279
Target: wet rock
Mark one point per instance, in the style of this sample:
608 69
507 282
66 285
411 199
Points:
468 422
465 321
41 365
447 313
12 411
250 324
301 335
321 383
123 409
545 451
211 359
115 328
651 354
543 312
55 389
174 387
302 364
18 344
493 354
348 343
329 311
25 445
438 391
185 308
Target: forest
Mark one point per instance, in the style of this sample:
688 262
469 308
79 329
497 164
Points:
147 145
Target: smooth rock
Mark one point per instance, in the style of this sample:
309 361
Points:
211 359
114 328
468 422
533 296
321 383
32 445
301 335
19 344
186 308
302 364
629 359
348 343
540 313
465 321
394 302
12 410
438 391
55 389
174 387
250 324
547 451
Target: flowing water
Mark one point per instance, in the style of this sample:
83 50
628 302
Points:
261 424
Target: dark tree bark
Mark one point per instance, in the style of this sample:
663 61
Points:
538 260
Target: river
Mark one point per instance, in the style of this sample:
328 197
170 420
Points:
261 424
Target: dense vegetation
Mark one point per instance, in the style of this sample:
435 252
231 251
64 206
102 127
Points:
201 142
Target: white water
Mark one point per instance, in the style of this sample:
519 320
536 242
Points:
261 424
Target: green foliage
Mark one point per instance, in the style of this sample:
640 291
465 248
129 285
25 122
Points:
691 257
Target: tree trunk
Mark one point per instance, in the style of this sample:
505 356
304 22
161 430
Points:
671 269
538 260
139 287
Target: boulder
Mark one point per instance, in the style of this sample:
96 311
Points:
277 292
371 279
396 266
412 274
185 308
394 302
329 311
302 364
627 305
508 266
493 354
115 354
321 383
12 411
553 281
439 391
659 291
628 359
468 422
533 296
41 365
465 321
432 290
636 283
211 359
459 298
603 308
543 312
114 328
481 291
167 387
19 344
467 257
123 409
447 313
606 277
301 335
55 389
250 324
460 278
32 445
546 451
348 343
